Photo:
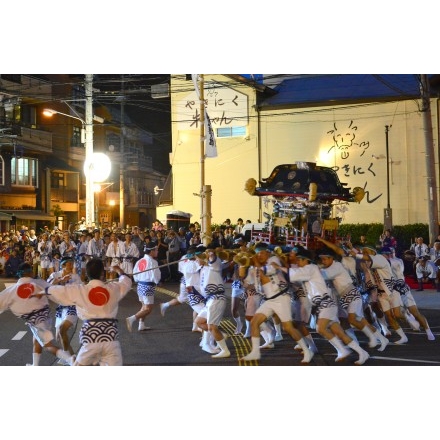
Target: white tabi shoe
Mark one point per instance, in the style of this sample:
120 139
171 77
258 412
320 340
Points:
308 356
383 343
223 354
129 322
252 356
402 340
163 309
342 354
363 357
209 349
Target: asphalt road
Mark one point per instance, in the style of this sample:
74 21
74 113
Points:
170 342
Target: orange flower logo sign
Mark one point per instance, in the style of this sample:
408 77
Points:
99 296
24 291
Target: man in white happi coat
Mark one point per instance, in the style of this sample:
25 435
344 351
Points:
147 275
65 316
397 268
349 297
34 310
114 254
328 324
388 297
97 304
273 286
213 289
189 287
130 254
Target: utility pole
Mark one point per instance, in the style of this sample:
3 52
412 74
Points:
205 191
90 201
122 161
388 213
430 160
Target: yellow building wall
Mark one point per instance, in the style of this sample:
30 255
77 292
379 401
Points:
352 139
358 154
236 161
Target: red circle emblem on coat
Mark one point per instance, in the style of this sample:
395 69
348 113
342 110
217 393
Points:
99 296
25 290
143 264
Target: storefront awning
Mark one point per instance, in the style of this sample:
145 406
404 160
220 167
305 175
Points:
32 215
5 216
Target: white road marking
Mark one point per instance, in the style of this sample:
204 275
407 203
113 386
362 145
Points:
404 360
3 351
19 336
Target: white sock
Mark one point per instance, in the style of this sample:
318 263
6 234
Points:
431 336
36 359
400 332
356 347
350 332
367 331
255 344
310 342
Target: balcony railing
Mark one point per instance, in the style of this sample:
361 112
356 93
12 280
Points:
37 139
141 198
63 194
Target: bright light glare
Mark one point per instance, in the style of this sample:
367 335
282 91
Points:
97 167
49 112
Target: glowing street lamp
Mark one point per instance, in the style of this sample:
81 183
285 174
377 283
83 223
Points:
49 112
97 169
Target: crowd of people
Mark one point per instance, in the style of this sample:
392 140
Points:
334 289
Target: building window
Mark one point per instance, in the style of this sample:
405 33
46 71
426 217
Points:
78 95
2 170
29 116
56 180
24 171
113 142
231 132
76 136
12 78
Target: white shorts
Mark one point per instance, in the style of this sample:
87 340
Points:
71 318
198 308
213 311
330 312
279 305
392 301
183 294
146 292
100 353
42 332
408 299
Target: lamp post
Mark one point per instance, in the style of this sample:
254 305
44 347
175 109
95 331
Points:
87 138
388 213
